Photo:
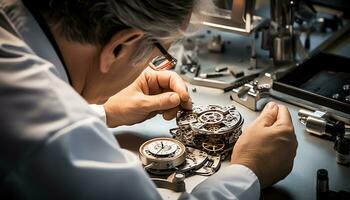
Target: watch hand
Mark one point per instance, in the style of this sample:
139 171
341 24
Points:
160 148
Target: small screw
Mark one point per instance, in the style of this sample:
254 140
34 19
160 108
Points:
335 96
347 98
346 87
179 177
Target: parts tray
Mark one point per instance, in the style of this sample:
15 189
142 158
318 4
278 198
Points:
319 80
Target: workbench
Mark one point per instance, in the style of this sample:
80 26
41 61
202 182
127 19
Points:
313 152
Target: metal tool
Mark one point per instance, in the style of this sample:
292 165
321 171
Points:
219 84
241 19
322 185
214 74
342 148
322 188
221 68
241 81
251 93
282 49
238 19
174 182
321 124
282 31
253 57
237 73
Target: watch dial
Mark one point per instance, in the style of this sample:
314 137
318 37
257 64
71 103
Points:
162 148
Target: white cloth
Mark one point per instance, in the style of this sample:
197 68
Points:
53 146
100 111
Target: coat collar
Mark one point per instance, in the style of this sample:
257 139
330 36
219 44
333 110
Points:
32 30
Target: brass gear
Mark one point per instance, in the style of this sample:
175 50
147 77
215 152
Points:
213 147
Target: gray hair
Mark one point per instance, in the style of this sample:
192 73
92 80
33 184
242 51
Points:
95 22
13 10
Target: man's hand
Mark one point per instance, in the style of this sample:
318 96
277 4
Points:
152 93
268 146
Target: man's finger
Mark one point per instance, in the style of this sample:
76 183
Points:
171 80
269 115
170 114
187 104
163 101
283 117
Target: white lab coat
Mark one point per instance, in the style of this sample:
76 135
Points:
54 146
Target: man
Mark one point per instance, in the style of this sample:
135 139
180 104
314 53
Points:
57 55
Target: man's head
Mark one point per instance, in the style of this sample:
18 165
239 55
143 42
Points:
106 44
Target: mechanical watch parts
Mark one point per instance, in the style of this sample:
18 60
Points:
162 153
213 129
204 137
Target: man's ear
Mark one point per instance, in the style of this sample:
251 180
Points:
118 47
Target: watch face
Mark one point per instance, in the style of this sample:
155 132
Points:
162 148
162 153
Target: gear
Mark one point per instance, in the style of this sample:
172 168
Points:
214 146
211 128
211 117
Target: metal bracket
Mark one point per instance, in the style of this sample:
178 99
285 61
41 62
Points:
240 19
249 94
174 182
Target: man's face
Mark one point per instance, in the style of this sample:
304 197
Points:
101 86
122 73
